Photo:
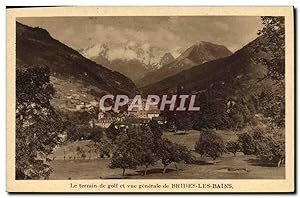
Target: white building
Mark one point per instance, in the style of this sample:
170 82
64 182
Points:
145 114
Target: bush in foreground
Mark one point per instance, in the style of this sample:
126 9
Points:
267 143
233 147
133 148
210 144
169 152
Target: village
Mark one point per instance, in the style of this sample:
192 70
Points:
137 115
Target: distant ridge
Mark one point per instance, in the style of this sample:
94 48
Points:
198 53
239 66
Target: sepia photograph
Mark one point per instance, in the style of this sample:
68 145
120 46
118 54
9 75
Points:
148 98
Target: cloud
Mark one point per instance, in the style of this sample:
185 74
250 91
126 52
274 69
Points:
159 37
158 32
153 41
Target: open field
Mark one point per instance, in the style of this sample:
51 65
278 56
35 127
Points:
192 136
240 167
228 166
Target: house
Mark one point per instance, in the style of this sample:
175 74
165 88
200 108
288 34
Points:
153 114
104 122
80 106
63 136
105 119
160 120
153 111
131 121
94 103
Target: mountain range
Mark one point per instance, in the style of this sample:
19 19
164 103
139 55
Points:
133 59
239 69
196 54
77 79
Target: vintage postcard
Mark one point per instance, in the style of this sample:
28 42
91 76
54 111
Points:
150 99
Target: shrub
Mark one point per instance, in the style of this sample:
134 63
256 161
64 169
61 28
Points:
112 132
247 143
155 129
268 144
96 134
210 144
233 147
271 147
104 146
84 132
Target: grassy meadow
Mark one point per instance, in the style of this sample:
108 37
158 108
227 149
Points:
93 166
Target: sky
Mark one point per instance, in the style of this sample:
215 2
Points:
168 33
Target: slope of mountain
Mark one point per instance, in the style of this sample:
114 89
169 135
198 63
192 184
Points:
166 59
132 69
240 68
76 79
197 54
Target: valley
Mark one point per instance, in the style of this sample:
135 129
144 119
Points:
99 111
